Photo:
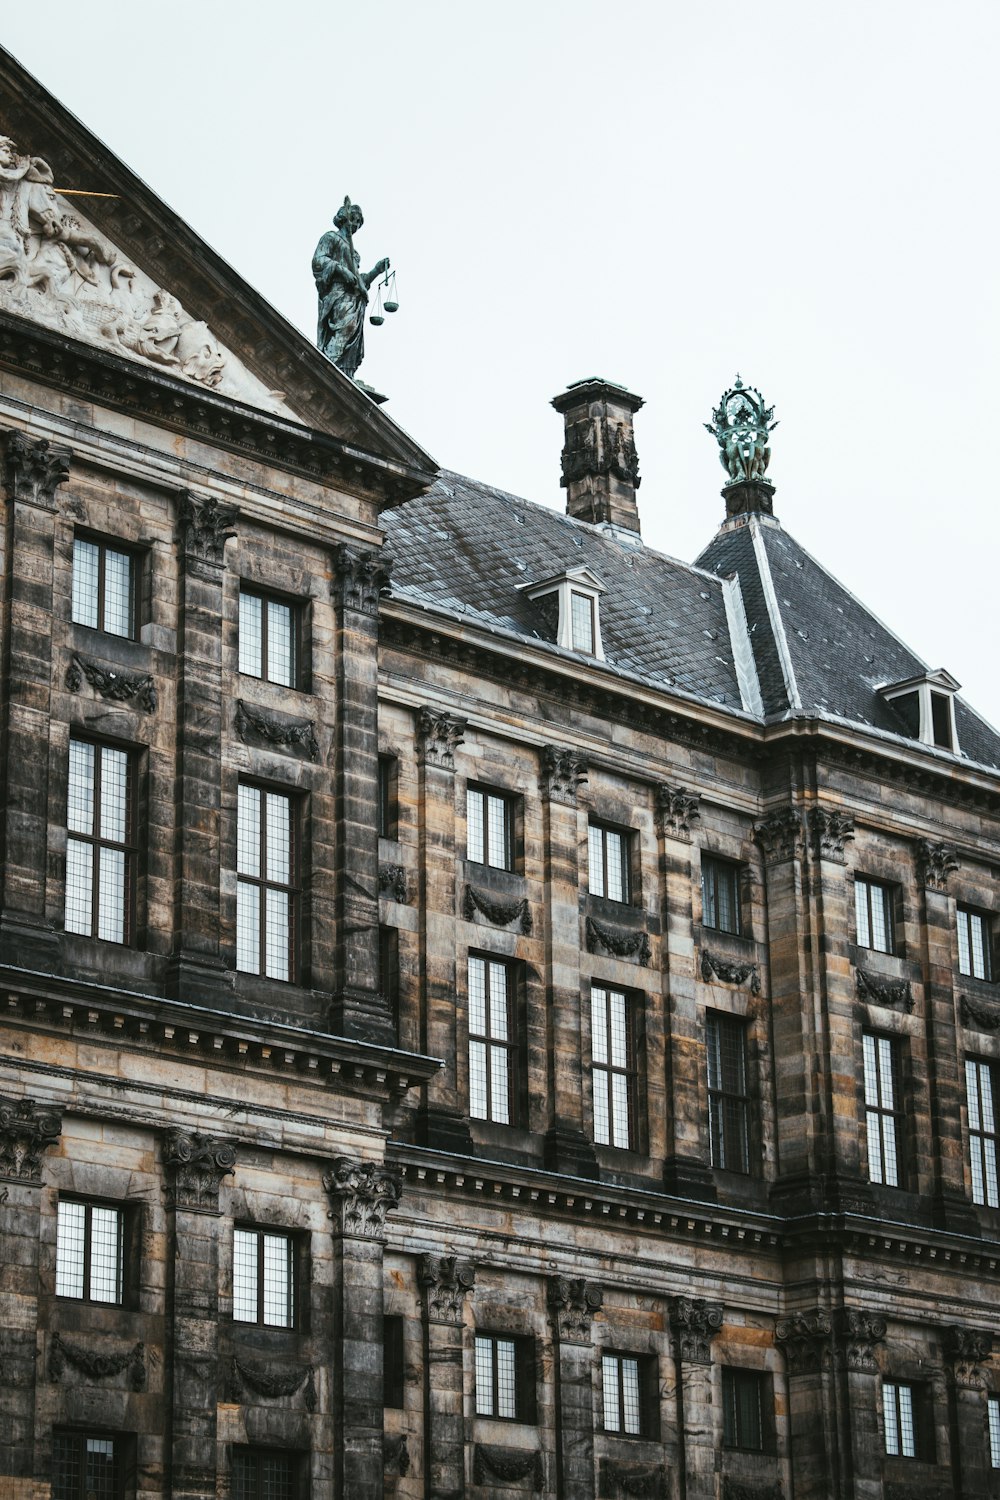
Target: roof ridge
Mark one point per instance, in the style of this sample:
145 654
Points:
774 615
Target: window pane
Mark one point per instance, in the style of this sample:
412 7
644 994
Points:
889 1150
612 1405
85 564
873 1124
880 918
80 809
79 887
474 826
278 935
595 850
111 896
583 623
748 1415
498 1001
478 1098
70 1229
114 795
619 1037
977 932
994 1411
907 1439
616 865
861 913
506 1379
248 831
602 1121
117 592
279 643
725 882
871 1071
279 844
251 635
247 928
500 1082
619 1085
484 1377
964 954
277 1281
630 1394
105 1254
244 1276
100 1469
885 1069
477 996
599 1024
497 841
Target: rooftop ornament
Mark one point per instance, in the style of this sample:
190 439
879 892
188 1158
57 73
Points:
343 290
742 428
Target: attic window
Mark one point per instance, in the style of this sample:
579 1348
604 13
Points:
926 707
569 605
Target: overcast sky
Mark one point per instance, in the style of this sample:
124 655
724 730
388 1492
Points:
662 194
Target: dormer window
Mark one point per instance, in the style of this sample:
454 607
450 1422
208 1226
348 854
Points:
569 603
926 707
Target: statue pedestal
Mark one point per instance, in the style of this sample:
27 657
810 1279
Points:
749 497
371 392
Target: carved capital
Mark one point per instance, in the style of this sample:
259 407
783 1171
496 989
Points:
935 862
196 1165
446 1280
676 810
34 468
806 1339
269 728
360 578
695 1323
361 1194
831 831
207 525
562 773
97 1364
26 1128
780 835
967 1350
573 1301
118 687
858 1335
438 736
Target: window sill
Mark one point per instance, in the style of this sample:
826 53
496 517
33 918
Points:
120 650
248 682
726 944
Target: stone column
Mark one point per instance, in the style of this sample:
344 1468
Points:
359 1009
197 963
806 1340
687 1169
446 1281
32 471
567 1149
695 1323
445 1121
26 1129
196 1165
572 1304
967 1350
361 1194
858 1334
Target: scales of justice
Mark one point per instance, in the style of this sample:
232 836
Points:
344 291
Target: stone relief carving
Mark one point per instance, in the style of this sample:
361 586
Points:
508 1465
439 735
966 1350
207 525
981 1017
896 993
58 270
695 1323
252 722
271 1381
446 1280
676 810
597 448
34 468
119 687
622 1478
396 1456
96 1364
935 862
562 771
805 1338
500 913
362 1193
739 1489
196 1164
858 1335
618 941
360 578
392 882
26 1128
780 835
714 967
573 1301
831 831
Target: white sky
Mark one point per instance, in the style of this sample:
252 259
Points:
659 193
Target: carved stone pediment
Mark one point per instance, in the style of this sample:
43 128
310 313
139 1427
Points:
26 1128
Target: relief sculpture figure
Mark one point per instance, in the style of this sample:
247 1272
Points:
343 290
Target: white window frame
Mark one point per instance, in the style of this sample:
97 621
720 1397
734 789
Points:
899 1419
940 682
973 933
264 1276
579 581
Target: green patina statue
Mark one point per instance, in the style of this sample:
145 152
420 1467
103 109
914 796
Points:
742 429
343 290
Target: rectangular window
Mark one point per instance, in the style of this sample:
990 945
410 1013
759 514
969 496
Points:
89 1251
973 944
629 1390
608 851
612 1021
980 1084
104 587
263 1474
720 894
489 839
993 1409
85 1467
387 796
743 1409
882 1108
897 1415
728 1103
504 1378
492 1040
873 913
269 638
393 1379
582 622
100 848
388 969
263 1278
266 887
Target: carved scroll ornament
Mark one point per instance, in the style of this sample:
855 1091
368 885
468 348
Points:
362 1193
715 967
252 722
676 810
935 862
197 1165
780 835
967 1350
858 1334
573 1301
271 1381
805 1338
562 773
207 525
360 578
695 1323
26 1128
507 1465
446 1281
118 687
895 993
95 1364
439 735
500 913
618 941
34 467
831 831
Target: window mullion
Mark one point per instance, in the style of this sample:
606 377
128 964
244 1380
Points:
87 1232
102 562
262 894
95 895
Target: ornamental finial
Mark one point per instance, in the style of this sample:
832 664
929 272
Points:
742 428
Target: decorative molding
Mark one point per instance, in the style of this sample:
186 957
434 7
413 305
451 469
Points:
966 1350
562 773
622 1478
26 1129
500 913
695 1323
197 1165
392 883
935 862
120 687
895 993
980 1017
780 835
858 1334
34 468
396 1456
619 942
97 1365
360 578
362 1193
676 810
831 831
207 525
573 1301
508 1465
806 1339
439 735
715 967
739 1489
275 729
446 1281
271 1381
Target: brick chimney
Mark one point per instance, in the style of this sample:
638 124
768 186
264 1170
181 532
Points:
600 467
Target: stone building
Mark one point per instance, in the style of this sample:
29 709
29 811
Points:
490 1010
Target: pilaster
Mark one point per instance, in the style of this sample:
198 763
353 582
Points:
445 1281
695 1323
858 1334
573 1302
806 1340
967 1350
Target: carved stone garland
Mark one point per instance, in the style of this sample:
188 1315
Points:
981 1017
439 734
446 1281
896 993
738 1489
207 524
271 1381
119 687
362 1193
618 941
780 835
676 810
252 722
715 967
695 1323
508 1465
26 1128
619 1477
360 578
500 913
805 1338
197 1165
831 830
562 773
573 1301
935 862
392 883
97 1365
34 468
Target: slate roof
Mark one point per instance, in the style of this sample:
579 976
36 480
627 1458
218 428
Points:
468 550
